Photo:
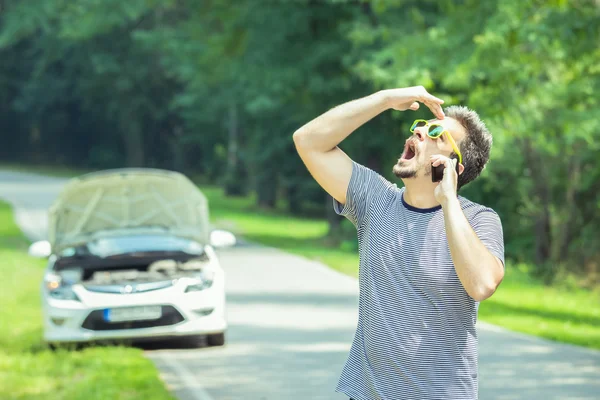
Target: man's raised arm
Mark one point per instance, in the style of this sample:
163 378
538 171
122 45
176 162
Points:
317 141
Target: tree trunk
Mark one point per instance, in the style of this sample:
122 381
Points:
232 148
266 188
334 234
570 209
236 175
294 201
234 183
543 237
591 271
134 147
177 150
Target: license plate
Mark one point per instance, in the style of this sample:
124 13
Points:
132 313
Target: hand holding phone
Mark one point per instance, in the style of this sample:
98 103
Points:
437 173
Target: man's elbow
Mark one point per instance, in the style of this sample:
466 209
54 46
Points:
485 290
299 137
483 293
300 142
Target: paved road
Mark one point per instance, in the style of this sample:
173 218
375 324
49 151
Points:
291 324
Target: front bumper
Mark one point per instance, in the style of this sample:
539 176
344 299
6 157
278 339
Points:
199 313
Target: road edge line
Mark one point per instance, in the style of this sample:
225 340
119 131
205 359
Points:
192 387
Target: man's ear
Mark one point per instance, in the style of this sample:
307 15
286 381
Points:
461 168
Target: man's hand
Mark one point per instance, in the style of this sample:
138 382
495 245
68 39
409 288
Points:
445 191
409 98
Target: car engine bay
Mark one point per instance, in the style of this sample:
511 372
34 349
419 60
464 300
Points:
129 269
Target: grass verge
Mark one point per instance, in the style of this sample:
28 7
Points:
29 370
560 313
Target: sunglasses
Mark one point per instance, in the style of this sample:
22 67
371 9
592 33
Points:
434 132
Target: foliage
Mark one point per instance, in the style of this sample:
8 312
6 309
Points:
218 87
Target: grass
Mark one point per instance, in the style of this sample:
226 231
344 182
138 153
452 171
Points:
522 304
562 313
29 369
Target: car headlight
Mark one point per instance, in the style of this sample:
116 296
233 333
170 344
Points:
64 293
57 289
204 281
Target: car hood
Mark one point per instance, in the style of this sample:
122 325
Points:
127 201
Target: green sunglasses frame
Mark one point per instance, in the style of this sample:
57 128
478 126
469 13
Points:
437 134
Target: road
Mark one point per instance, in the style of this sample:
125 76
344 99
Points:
292 321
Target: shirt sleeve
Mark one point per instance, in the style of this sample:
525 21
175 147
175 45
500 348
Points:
488 228
366 187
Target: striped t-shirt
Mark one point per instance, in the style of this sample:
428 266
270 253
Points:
416 336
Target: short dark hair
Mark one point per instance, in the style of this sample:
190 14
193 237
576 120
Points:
476 145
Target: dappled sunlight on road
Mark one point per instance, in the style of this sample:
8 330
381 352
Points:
518 366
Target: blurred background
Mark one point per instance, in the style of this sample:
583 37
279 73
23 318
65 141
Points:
215 89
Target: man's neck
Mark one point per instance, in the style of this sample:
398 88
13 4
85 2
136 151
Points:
420 194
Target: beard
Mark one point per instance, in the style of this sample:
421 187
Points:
409 171
405 171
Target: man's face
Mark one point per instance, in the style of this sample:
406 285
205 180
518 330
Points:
415 160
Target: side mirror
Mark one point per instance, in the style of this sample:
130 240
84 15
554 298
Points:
219 238
40 249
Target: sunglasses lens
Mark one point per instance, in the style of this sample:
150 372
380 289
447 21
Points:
435 131
417 124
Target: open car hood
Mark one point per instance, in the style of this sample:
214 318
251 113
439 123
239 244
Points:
127 201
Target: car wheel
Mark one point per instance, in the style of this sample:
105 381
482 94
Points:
216 340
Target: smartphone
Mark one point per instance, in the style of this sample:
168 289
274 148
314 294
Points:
437 173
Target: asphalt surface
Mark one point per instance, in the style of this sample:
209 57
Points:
291 324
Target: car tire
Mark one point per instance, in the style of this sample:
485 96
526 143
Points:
216 339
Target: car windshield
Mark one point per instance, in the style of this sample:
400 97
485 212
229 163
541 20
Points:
106 247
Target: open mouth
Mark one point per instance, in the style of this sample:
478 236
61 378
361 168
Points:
409 151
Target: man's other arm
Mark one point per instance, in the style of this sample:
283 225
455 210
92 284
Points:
317 141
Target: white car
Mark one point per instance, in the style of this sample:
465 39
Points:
132 256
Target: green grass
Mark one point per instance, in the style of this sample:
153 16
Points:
29 370
562 313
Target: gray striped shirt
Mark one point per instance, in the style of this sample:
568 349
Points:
416 335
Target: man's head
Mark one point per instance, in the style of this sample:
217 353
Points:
470 135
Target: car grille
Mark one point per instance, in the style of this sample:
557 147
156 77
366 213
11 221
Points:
95 321
131 288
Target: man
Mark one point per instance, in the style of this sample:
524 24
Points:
427 255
